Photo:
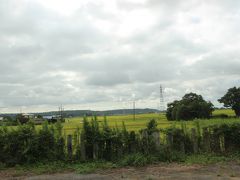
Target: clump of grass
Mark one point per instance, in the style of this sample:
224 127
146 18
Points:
2 166
137 160
41 168
205 159
91 167
55 167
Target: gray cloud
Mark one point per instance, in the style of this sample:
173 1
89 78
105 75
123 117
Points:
98 54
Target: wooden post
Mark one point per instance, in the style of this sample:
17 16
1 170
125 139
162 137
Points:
182 147
145 146
215 141
83 149
195 141
95 151
132 142
170 140
206 140
69 146
132 147
120 151
222 143
156 138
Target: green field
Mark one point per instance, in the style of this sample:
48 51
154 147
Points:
141 120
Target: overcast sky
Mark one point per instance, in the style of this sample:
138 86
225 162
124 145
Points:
102 54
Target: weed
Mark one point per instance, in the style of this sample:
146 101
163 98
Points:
205 159
137 159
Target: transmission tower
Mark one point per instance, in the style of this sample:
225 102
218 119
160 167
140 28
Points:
134 107
61 110
161 100
134 110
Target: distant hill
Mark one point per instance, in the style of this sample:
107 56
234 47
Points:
75 113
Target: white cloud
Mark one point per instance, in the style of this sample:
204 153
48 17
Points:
97 53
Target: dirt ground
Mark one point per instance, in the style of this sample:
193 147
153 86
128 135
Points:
171 171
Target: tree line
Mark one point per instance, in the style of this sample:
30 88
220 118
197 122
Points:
193 106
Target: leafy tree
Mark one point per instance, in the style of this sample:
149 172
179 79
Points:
22 119
232 99
39 116
8 118
189 107
171 111
152 126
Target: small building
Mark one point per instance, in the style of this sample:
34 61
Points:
52 118
1 118
29 116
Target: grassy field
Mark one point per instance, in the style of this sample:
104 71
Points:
141 120
71 124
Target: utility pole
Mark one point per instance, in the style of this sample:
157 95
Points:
134 110
161 100
61 109
134 107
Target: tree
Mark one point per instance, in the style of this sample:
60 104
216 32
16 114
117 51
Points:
232 99
152 126
22 119
39 116
171 110
189 107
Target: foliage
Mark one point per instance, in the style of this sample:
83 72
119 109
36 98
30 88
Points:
137 159
106 143
26 145
229 134
191 106
61 166
167 155
152 126
22 119
205 159
90 167
39 116
8 121
181 141
232 99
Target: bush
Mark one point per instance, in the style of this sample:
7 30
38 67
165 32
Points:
191 106
26 145
180 138
167 155
137 159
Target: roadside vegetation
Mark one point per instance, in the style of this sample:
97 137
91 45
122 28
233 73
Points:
93 147
89 143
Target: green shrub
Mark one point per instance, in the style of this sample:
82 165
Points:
26 145
204 159
191 106
90 167
179 137
167 155
137 159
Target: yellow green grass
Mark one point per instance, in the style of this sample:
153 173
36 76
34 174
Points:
141 120
71 124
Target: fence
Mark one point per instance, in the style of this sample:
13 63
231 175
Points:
212 139
28 145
